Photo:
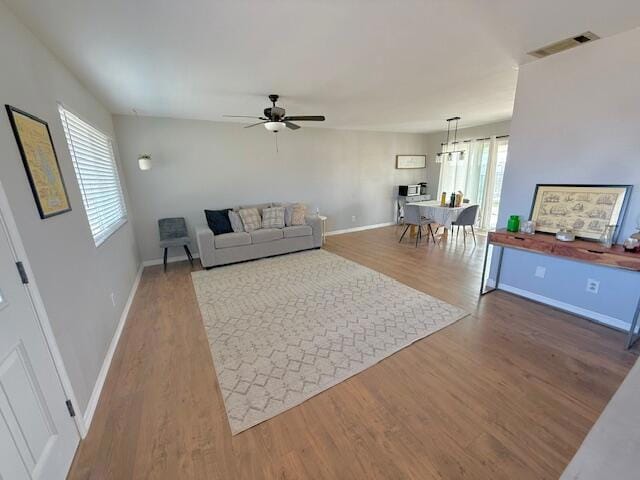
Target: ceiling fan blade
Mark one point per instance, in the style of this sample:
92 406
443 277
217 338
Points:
244 116
292 126
254 124
305 118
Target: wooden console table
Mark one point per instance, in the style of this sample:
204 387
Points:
579 250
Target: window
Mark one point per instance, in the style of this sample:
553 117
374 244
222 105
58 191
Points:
97 174
478 174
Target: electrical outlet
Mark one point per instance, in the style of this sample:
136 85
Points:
353 218
593 286
113 298
540 272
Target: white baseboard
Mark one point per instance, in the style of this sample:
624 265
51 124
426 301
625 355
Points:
102 376
359 229
160 261
582 312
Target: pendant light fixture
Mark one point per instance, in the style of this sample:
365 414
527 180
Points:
144 159
144 162
448 150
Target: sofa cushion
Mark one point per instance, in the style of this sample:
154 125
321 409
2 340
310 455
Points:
297 231
218 221
235 239
259 206
236 221
266 235
251 219
273 217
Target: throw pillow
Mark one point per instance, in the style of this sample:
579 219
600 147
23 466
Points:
218 221
297 215
236 221
273 217
288 208
250 219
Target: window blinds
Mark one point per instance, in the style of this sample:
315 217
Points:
97 174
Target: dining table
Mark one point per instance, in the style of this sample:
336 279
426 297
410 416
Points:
437 213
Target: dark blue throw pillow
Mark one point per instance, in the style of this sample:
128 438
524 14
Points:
218 221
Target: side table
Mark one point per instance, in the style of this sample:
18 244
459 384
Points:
323 218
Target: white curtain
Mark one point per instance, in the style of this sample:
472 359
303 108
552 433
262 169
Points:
478 175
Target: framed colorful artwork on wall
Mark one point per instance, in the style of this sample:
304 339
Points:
40 162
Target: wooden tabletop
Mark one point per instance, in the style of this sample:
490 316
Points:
580 250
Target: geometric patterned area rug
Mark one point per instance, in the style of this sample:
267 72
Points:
284 329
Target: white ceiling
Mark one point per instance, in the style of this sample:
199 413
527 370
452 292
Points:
396 65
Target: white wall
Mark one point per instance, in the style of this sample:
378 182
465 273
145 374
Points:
576 120
200 164
434 141
75 278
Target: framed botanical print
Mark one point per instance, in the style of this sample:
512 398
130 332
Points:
411 161
40 161
585 209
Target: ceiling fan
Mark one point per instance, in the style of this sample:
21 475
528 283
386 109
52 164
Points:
274 118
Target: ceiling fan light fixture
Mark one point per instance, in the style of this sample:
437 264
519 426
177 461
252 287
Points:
274 127
275 118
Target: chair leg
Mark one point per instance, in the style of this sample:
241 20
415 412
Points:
464 234
165 259
186 249
403 233
474 235
433 237
418 235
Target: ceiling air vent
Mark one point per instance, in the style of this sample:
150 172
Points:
564 44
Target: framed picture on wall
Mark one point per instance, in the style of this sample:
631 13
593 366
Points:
40 161
585 209
411 161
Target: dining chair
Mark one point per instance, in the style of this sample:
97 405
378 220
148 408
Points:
412 216
173 233
467 218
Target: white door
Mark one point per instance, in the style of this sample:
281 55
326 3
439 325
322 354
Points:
38 437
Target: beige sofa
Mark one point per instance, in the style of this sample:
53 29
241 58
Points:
216 250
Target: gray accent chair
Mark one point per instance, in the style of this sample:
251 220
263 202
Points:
227 248
174 233
467 218
412 216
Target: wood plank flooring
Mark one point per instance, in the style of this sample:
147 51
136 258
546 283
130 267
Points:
508 392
